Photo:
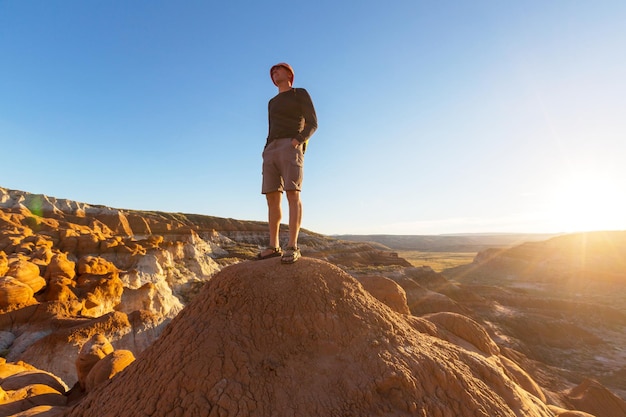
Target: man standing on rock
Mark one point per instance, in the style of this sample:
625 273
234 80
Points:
292 121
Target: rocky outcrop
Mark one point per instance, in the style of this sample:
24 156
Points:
58 351
81 271
98 361
107 367
82 261
590 396
263 339
94 350
463 331
560 302
427 291
65 265
25 390
14 293
386 291
27 273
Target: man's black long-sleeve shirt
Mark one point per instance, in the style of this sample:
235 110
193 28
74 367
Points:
291 115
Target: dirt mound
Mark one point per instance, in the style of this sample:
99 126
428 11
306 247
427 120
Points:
592 397
265 339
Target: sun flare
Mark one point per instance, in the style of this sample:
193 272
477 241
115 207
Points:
588 201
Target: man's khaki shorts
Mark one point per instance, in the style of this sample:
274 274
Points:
283 166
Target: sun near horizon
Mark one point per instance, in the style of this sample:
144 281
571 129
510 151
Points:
586 201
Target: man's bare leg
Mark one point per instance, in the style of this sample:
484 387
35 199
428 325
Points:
274 216
295 217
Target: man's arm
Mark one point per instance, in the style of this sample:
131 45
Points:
308 111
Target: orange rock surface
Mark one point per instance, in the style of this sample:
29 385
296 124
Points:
265 339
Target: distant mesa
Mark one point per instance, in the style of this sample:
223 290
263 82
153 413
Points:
575 263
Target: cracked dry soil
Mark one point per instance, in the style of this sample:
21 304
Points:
265 339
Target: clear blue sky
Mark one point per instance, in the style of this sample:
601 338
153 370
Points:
434 116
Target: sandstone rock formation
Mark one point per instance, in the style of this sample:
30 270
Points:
59 351
80 271
262 339
98 361
69 270
560 301
107 367
63 262
592 397
27 273
14 292
386 291
94 350
26 391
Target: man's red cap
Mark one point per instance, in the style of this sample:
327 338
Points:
284 65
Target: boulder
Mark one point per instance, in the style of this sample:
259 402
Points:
60 267
60 289
101 293
87 244
13 292
11 368
26 391
68 241
387 291
93 351
94 265
99 285
57 352
27 273
42 252
32 377
25 398
157 298
107 367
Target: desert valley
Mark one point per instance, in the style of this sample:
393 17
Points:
114 312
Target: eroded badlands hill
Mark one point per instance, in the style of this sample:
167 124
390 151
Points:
85 290
561 301
262 339
577 262
71 271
